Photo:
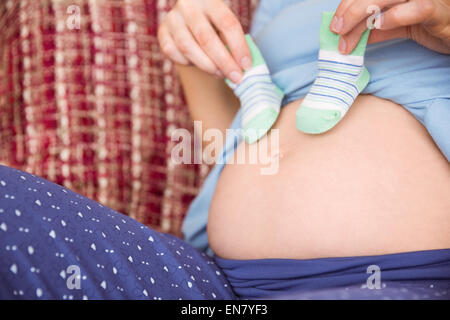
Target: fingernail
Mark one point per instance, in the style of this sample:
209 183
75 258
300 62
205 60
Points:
235 77
337 24
246 63
342 45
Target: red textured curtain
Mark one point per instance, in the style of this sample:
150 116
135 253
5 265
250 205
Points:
93 108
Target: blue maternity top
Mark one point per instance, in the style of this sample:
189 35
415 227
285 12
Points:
287 33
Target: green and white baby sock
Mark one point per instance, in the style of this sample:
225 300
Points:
340 79
260 97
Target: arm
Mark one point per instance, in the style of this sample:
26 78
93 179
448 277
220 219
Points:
209 98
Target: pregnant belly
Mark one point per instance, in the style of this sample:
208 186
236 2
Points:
375 184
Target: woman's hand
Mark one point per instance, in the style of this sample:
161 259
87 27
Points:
188 36
425 21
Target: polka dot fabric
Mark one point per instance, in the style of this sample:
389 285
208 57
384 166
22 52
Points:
47 232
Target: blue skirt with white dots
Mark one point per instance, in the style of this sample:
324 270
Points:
57 244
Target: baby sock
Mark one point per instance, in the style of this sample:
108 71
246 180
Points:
260 98
340 79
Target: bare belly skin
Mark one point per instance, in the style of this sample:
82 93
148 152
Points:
375 184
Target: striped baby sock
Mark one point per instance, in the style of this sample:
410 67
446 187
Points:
260 97
340 79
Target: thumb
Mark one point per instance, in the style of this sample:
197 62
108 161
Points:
378 35
416 33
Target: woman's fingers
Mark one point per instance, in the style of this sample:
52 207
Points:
338 22
415 32
168 46
349 41
188 35
187 45
385 35
350 13
407 14
424 21
209 41
230 28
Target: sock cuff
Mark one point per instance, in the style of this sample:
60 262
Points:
330 40
257 58
362 44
